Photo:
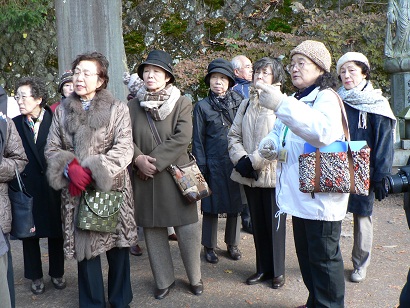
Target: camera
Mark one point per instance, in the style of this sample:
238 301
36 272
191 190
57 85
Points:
399 182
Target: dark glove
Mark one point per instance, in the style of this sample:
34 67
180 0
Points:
79 176
245 169
380 191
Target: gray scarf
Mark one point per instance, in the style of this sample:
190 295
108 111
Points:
367 99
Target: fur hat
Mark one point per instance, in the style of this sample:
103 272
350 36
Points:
315 51
351 56
158 58
67 76
221 66
133 82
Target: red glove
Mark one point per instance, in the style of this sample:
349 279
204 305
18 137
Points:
79 176
73 190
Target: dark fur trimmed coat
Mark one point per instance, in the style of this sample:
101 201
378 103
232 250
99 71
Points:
101 140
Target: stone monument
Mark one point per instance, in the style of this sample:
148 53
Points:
397 63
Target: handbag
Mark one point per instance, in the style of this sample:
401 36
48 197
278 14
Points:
99 211
22 223
188 178
341 167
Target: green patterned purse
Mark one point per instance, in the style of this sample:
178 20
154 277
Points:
99 211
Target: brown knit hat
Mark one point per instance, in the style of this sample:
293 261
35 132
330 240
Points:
315 51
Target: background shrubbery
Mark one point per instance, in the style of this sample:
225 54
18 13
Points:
196 32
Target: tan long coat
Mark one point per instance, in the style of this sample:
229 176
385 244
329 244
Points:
158 201
252 123
100 139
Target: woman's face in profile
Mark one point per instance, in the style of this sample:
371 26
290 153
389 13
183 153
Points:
86 79
219 83
155 78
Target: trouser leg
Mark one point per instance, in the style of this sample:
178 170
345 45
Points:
159 253
233 230
277 227
56 257
119 280
362 241
190 248
4 287
10 274
405 294
262 229
32 258
322 260
90 283
209 230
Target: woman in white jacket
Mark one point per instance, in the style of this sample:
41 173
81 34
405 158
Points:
258 175
311 115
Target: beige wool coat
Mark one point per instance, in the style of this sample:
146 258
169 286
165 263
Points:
158 201
252 123
101 140
13 156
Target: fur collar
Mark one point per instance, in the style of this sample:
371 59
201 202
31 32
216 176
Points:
96 117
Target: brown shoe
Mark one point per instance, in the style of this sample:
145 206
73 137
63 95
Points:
136 250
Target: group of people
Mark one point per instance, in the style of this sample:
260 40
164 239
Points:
246 136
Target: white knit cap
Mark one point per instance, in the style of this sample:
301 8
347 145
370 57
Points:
351 56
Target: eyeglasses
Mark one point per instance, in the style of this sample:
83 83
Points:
24 97
264 73
86 74
299 65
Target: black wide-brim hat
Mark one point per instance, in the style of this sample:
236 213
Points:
221 66
158 58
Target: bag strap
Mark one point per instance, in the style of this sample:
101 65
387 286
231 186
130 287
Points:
349 151
153 129
19 180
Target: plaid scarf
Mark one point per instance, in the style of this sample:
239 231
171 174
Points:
161 103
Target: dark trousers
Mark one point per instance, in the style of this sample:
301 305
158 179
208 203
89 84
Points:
405 294
269 240
10 274
32 258
320 261
91 284
210 230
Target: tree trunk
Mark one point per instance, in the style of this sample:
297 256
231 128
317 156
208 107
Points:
89 25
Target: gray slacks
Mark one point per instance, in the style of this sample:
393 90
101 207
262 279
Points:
362 241
159 253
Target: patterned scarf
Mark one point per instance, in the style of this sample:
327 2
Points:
161 103
34 123
366 99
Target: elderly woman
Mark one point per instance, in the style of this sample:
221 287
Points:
33 126
258 175
90 146
213 117
159 203
12 157
311 115
370 118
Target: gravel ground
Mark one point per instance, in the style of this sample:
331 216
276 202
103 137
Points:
225 282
